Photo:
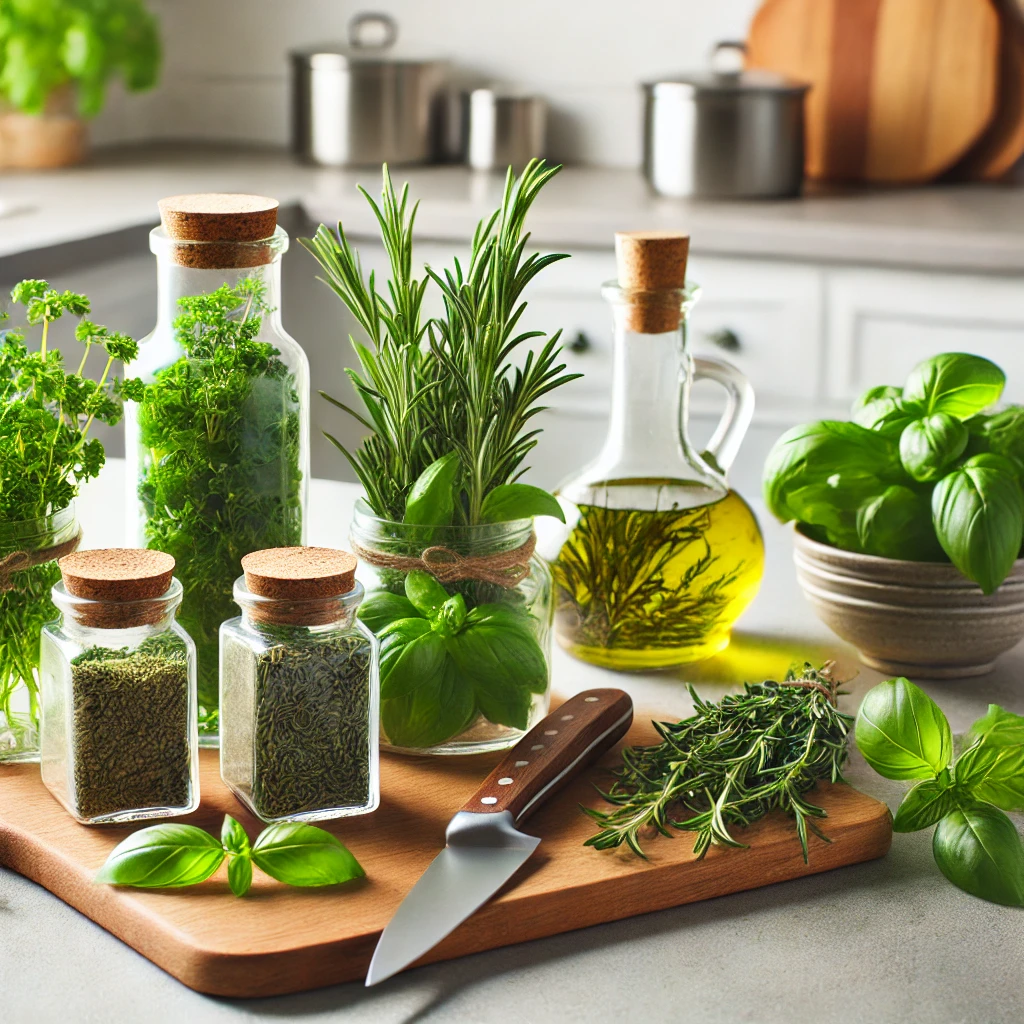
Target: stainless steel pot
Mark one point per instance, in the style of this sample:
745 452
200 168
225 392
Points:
725 133
504 129
355 106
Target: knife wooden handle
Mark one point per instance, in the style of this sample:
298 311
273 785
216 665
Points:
554 751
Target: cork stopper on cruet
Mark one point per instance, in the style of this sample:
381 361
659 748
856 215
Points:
219 230
652 271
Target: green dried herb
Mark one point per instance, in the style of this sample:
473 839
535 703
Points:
309 733
130 748
220 476
730 764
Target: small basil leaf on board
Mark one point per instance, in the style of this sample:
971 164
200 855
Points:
240 873
519 501
163 857
233 837
978 849
978 510
304 855
956 383
902 733
924 805
411 663
930 444
898 524
382 608
425 593
997 726
439 708
888 416
431 501
993 772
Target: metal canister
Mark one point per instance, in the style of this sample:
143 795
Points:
357 106
504 129
726 133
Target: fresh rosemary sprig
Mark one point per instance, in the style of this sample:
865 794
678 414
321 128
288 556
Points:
730 764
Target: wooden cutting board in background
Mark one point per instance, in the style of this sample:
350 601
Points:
901 89
279 939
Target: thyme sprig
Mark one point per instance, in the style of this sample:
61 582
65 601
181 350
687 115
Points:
730 764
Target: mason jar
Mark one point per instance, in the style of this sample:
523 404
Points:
218 449
119 736
489 621
299 689
29 550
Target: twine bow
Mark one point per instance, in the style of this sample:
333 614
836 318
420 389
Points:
504 568
17 561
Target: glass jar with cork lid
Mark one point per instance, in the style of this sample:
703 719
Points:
299 689
218 447
118 734
662 556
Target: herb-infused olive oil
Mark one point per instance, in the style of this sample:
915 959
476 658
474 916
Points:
649 589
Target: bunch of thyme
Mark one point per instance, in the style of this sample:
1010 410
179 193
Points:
730 764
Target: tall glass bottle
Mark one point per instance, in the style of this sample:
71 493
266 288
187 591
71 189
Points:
218 444
663 556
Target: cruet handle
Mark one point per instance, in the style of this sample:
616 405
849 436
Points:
739 409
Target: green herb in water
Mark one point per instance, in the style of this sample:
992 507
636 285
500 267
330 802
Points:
730 764
131 739
220 474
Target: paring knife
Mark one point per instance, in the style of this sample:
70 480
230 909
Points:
483 847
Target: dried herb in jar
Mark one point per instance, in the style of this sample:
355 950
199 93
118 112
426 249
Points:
131 732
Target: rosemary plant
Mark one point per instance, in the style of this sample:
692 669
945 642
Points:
730 764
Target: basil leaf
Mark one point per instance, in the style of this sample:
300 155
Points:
518 627
979 850
888 416
162 857
425 593
410 663
924 805
1004 432
978 511
382 608
441 706
519 501
997 726
874 394
993 772
898 524
240 873
431 501
902 732
299 854
929 445
955 383
451 616
233 837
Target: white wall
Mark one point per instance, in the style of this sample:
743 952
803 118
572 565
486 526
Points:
226 71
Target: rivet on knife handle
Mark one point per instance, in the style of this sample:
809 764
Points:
551 753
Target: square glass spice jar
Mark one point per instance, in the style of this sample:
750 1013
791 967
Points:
299 689
119 731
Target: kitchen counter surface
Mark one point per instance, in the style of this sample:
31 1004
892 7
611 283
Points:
887 941
968 228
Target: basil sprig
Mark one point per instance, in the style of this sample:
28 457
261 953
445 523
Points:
440 664
173 855
903 734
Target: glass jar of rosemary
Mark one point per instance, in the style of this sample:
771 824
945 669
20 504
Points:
476 603
299 689
218 446
118 733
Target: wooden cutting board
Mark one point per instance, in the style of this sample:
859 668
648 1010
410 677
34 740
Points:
278 940
901 89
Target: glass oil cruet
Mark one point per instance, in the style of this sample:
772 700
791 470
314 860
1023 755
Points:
662 556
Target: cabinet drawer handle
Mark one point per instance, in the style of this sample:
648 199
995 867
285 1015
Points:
581 343
726 339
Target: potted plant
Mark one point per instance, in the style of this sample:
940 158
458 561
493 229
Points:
460 602
56 58
46 454
910 519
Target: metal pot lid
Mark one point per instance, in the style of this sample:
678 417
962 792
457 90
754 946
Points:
726 76
370 37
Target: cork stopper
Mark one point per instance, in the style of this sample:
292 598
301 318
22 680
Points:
303 582
219 230
652 266
122 581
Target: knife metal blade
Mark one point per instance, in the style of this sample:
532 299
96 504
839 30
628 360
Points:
483 848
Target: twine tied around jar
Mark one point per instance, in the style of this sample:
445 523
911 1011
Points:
503 568
17 561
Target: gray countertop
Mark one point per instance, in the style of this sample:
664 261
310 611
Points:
886 941
970 228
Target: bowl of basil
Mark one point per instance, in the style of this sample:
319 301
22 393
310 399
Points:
910 519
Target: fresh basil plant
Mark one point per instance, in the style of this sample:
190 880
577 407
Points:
921 473
903 734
